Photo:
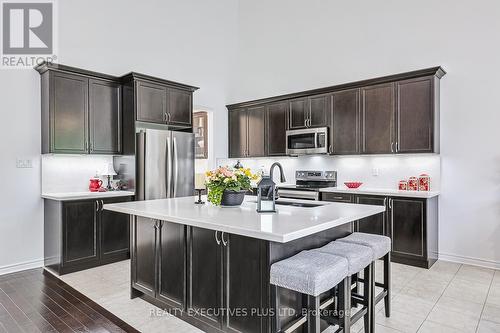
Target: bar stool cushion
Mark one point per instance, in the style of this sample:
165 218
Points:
309 272
358 256
380 245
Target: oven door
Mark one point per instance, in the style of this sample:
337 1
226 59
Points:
307 141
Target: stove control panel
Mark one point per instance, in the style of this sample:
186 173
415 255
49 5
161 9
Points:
316 175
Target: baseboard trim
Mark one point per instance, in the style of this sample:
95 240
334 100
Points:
21 266
469 261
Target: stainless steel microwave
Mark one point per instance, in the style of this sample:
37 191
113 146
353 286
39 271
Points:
307 141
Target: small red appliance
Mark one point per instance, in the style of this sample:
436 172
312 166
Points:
95 185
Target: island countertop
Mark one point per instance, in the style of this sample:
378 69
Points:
287 224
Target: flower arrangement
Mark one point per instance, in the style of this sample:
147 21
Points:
227 179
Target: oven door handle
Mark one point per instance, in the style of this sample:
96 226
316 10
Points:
294 194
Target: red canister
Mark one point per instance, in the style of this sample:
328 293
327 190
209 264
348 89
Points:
424 182
403 185
413 184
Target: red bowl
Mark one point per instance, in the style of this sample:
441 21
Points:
353 184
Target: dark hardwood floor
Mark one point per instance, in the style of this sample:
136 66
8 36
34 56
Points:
36 301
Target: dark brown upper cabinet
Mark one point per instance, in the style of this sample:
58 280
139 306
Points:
81 113
415 118
256 131
309 112
151 102
105 116
247 132
319 108
276 127
160 101
237 133
377 119
345 123
387 115
299 113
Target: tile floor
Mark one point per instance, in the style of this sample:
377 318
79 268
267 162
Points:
447 298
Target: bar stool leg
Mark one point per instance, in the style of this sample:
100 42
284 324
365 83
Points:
345 304
368 294
387 284
275 320
313 314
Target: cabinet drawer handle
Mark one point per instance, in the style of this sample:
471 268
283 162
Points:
224 242
217 238
338 198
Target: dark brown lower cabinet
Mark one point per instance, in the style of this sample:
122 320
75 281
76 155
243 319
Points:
80 234
376 224
412 224
143 255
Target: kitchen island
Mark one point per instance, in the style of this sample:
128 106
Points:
210 265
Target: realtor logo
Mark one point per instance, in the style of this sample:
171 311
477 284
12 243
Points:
27 33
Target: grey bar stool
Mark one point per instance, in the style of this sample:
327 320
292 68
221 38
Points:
381 247
310 273
359 257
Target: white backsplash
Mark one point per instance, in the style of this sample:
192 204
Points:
71 173
391 169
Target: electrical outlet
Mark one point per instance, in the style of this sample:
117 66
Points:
375 172
24 163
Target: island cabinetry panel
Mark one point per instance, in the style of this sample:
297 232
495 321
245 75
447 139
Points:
80 234
159 260
411 223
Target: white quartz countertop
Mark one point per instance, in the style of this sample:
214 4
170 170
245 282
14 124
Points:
66 196
287 224
381 191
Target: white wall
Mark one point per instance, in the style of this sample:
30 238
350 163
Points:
292 45
189 41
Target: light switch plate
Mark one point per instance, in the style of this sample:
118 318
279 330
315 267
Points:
24 163
375 172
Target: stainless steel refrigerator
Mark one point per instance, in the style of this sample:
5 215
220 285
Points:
165 164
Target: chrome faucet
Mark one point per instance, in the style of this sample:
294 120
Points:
282 179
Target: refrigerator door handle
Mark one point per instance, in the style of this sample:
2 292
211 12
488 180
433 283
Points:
176 168
169 168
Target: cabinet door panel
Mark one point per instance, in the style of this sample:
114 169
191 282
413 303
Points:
345 122
172 280
237 133
276 129
80 232
69 118
298 113
179 107
115 233
375 224
151 102
244 283
378 113
206 275
105 116
415 115
408 226
256 131
319 108
143 255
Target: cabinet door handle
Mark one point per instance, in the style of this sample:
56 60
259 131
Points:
102 205
217 238
224 242
392 147
390 203
168 117
330 149
397 146
97 205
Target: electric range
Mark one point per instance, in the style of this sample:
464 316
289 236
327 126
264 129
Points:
308 184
